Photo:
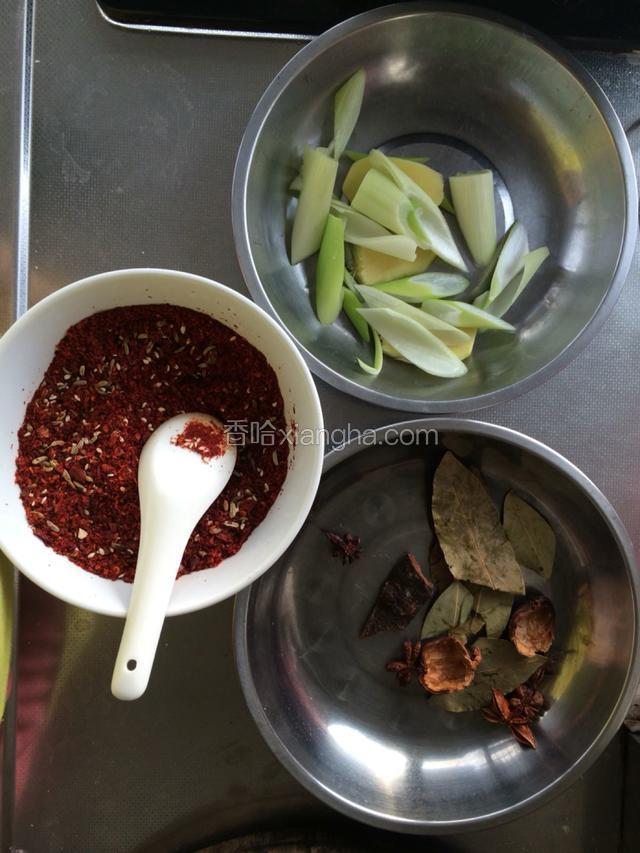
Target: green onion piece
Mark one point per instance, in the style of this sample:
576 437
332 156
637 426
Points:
462 315
362 231
349 281
448 334
394 245
415 343
484 281
357 223
446 205
330 270
350 305
387 349
429 285
482 301
511 259
473 197
379 198
375 368
347 106
505 299
426 221
318 179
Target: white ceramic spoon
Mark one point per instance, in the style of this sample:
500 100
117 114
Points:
176 486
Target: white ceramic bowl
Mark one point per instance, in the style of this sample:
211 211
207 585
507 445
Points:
27 349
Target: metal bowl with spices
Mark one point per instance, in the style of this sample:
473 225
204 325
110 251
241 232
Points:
383 753
470 91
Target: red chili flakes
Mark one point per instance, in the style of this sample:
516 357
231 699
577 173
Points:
204 438
114 378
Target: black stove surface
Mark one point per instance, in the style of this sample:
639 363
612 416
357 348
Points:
612 25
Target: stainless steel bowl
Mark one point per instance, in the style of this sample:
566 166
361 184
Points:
469 92
337 720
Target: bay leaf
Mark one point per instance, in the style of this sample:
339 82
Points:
450 609
468 527
501 668
470 628
533 540
494 607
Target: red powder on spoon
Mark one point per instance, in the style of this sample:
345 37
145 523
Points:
203 437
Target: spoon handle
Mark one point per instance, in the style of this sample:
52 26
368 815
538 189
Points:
160 553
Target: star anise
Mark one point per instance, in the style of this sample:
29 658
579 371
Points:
407 665
523 706
345 546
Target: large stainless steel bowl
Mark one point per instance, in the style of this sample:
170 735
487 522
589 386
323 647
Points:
468 91
381 753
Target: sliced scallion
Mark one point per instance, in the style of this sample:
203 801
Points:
430 285
426 221
394 245
425 177
448 334
330 270
318 179
511 259
349 281
380 199
415 343
360 230
464 350
347 106
462 315
375 368
350 305
505 299
473 197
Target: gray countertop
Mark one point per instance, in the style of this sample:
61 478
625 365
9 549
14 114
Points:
133 144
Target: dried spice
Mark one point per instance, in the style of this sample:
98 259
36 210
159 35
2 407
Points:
204 438
114 378
438 568
518 711
448 611
494 608
501 668
532 627
533 540
407 665
345 545
404 591
469 531
446 665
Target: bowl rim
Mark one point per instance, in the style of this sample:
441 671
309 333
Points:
205 597
296 65
399 824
